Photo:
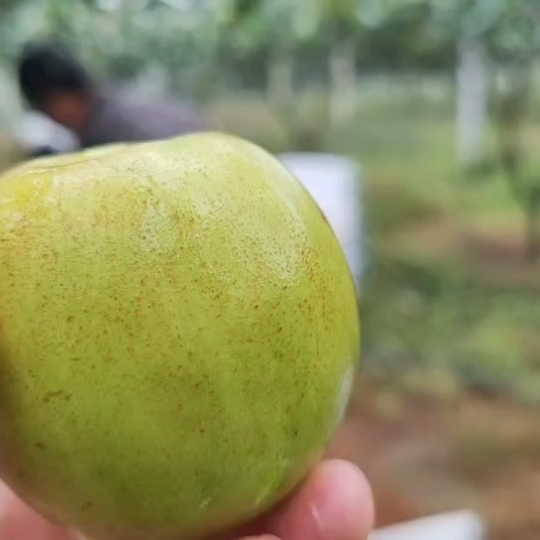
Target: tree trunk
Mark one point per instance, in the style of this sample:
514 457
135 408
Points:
532 229
208 73
511 113
472 101
207 79
343 81
281 83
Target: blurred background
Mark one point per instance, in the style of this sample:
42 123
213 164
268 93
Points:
436 104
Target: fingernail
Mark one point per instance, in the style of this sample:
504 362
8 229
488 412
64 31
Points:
317 522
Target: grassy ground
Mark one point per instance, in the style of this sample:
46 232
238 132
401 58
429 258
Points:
450 293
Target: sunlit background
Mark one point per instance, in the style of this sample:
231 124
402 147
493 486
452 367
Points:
436 105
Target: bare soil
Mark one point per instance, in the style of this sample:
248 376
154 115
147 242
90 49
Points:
425 455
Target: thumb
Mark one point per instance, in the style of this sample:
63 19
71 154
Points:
19 522
335 503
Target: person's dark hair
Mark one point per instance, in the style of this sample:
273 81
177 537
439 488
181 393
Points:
47 67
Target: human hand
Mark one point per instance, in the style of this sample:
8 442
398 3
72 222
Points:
334 503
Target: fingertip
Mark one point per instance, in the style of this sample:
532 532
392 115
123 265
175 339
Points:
357 505
335 503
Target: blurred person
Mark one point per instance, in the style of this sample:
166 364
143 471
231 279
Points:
55 83
334 503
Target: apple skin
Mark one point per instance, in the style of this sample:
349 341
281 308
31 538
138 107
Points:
179 334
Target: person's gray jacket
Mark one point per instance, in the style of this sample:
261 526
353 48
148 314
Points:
117 117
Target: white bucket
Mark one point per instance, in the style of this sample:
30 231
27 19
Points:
459 525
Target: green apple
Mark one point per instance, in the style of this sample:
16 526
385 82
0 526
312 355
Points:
178 336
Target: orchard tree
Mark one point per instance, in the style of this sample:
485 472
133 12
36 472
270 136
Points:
514 45
345 22
280 28
276 28
469 22
497 37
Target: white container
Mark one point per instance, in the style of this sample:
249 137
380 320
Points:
335 184
459 525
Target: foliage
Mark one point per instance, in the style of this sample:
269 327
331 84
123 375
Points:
125 39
